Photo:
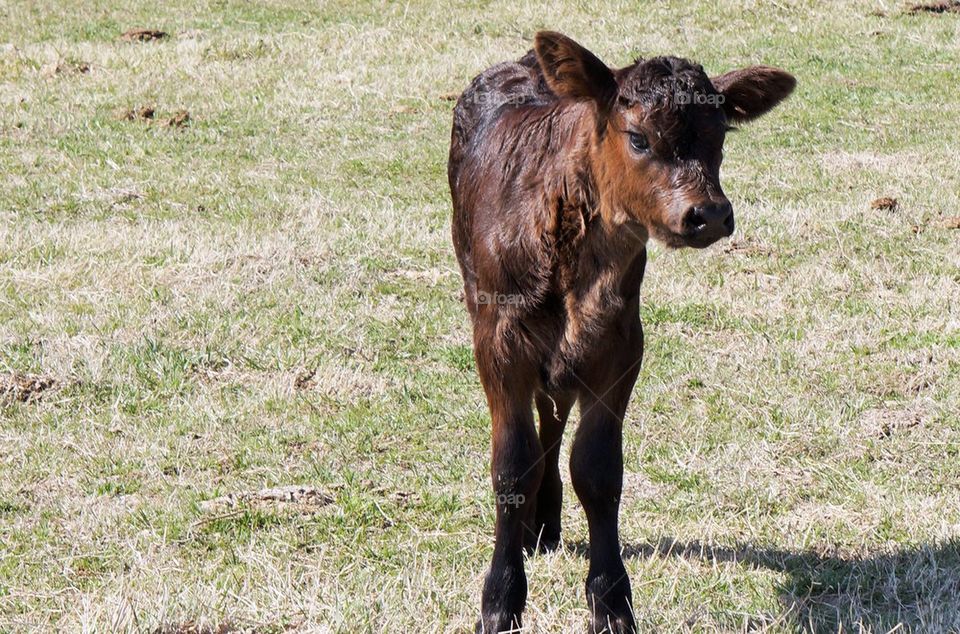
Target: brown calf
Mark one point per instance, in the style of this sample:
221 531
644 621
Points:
560 170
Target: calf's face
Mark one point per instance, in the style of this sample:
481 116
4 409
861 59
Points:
661 124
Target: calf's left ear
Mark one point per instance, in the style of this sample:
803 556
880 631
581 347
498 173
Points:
752 91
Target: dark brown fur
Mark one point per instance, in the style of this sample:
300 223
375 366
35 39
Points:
560 170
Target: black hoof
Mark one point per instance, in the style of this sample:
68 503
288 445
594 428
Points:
614 625
504 595
496 624
610 604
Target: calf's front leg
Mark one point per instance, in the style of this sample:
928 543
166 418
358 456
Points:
596 469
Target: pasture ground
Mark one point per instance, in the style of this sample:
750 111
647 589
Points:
264 294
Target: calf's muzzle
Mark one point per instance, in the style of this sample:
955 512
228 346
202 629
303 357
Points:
707 222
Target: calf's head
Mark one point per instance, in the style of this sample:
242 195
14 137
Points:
660 127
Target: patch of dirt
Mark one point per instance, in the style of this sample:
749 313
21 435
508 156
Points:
180 119
301 448
62 67
143 35
401 498
143 113
308 259
450 96
304 380
885 203
941 6
949 222
404 497
884 422
125 196
24 388
295 495
746 247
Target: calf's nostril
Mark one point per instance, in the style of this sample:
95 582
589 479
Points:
710 215
696 218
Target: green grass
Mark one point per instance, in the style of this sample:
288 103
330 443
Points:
268 296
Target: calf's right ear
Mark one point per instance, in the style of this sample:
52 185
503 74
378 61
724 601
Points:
573 72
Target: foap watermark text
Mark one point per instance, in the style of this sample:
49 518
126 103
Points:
493 298
698 98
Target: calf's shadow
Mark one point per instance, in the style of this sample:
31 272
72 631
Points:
914 589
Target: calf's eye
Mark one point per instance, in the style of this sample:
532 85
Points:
639 142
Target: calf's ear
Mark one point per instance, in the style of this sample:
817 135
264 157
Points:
752 91
573 72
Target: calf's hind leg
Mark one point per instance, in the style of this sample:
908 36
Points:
516 470
542 527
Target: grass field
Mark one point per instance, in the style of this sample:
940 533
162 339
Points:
265 295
